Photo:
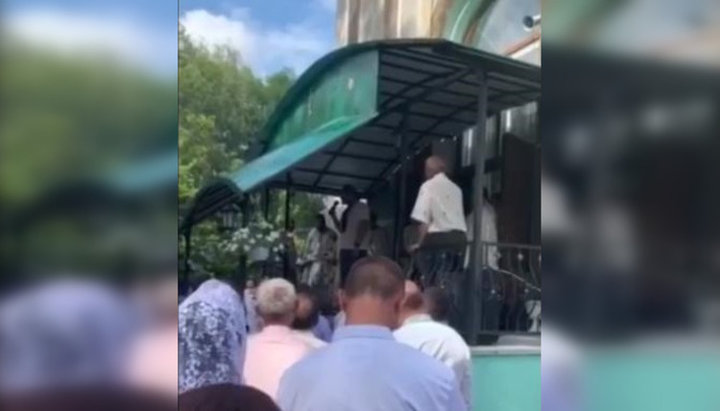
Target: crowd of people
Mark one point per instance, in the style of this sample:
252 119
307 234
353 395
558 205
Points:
439 217
354 334
393 351
81 343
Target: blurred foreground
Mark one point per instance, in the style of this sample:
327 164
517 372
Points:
630 205
88 187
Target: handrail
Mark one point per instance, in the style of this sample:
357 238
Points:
510 291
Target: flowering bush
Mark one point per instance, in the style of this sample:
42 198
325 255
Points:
260 234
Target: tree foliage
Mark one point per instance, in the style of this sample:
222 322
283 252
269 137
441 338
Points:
72 117
223 106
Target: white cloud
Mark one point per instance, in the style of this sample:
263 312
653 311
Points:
262 48
328 4
216 30
108 36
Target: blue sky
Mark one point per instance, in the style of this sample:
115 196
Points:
137 33
270 35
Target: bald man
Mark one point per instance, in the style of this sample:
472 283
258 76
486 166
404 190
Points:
439 204
419 330
364 368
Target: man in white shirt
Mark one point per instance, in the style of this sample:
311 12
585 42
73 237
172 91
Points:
354 229
439 206
434 338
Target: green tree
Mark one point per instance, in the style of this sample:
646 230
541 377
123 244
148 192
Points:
223 106
73 117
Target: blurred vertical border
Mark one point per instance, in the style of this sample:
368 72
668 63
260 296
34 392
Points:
630 204
88 192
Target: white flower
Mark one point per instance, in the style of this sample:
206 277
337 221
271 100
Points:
246 248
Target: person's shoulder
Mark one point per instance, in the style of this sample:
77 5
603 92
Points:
449 182
450 335
450 330
307 365
298 343
427 332
309 342
444 328
408 330
427 183
422 364
425 367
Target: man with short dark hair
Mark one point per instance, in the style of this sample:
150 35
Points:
364 368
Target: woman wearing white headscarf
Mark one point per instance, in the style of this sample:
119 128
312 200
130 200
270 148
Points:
212 336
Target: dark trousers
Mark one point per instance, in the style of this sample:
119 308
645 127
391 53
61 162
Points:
347 259
441 255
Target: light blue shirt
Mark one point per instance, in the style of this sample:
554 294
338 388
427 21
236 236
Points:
365 369
322 329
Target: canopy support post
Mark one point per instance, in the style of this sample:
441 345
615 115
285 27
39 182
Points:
287 203
475 279
402 144
266 203
286 260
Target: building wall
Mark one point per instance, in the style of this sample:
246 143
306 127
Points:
491 25
506 382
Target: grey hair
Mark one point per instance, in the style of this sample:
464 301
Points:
276 298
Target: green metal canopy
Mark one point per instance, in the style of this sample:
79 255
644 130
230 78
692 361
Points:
340 122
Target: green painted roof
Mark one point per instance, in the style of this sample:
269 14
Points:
339 123
277 161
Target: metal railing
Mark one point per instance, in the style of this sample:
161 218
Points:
510 288
507 288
